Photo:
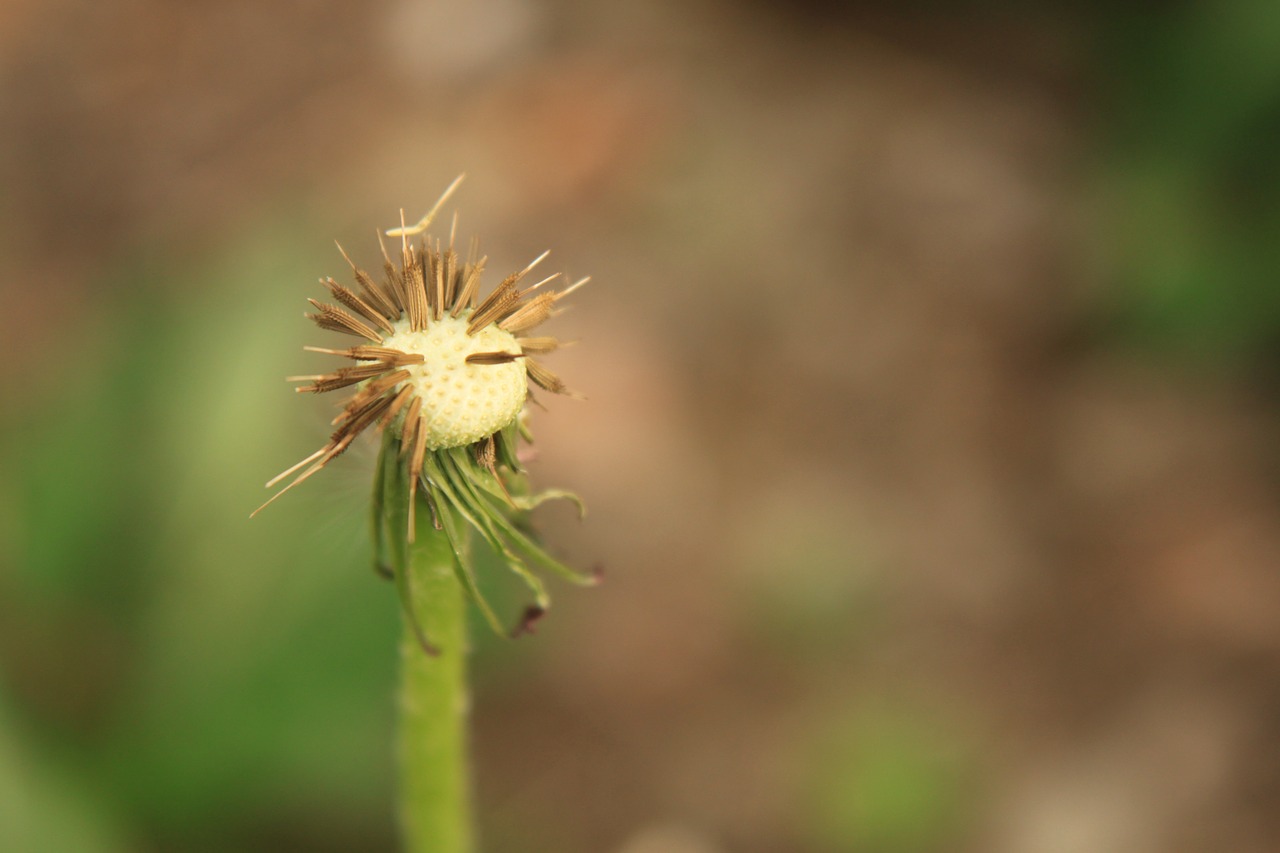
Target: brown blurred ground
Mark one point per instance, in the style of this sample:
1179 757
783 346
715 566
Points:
850 453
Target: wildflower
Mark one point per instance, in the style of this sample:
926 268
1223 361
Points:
444 376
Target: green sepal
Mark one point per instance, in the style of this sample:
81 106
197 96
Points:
475 475
538 554
492 521
463 493
381 559
488 482
435 479
532 502
505 442
463 568
394 527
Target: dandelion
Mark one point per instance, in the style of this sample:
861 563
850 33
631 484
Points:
443 374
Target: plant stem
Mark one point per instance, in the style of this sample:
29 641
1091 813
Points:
435 792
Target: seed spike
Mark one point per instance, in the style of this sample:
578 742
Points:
280 493
502 300
539 346
450 277
533 287
532 264
496 305
425 263
571 288
345 376
371 288
355 303
416 292
544 378
493 357
359 417
335 319
345 256
467 296
397 403
373 389
533 398
425 223
395 284
437 309
383 246
371 353
329 452
528 316
412 421
285 473
486 453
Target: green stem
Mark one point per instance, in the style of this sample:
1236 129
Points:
435 791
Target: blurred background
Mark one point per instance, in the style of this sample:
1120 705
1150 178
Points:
933 361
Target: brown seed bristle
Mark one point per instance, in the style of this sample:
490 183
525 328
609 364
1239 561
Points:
502 300
397 403
415 467
433 263
361 418
493 357
344 376
335 319
395 356
538 346
437 283
355 303
470 285
544 377
530 315
377 387
327 454
412 422
487 453
415 292
376 295
286 472
494 305
531 288
450 274
395 282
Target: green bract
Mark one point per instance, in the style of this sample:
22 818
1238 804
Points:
463 494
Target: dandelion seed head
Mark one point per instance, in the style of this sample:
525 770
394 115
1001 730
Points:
437 367
443 374
462 403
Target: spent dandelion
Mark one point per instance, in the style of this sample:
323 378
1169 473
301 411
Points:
443 372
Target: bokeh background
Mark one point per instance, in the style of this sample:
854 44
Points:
931 447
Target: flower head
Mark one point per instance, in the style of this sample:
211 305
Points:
443 374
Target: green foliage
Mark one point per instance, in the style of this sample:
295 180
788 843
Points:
888 781
199 665
1190 177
